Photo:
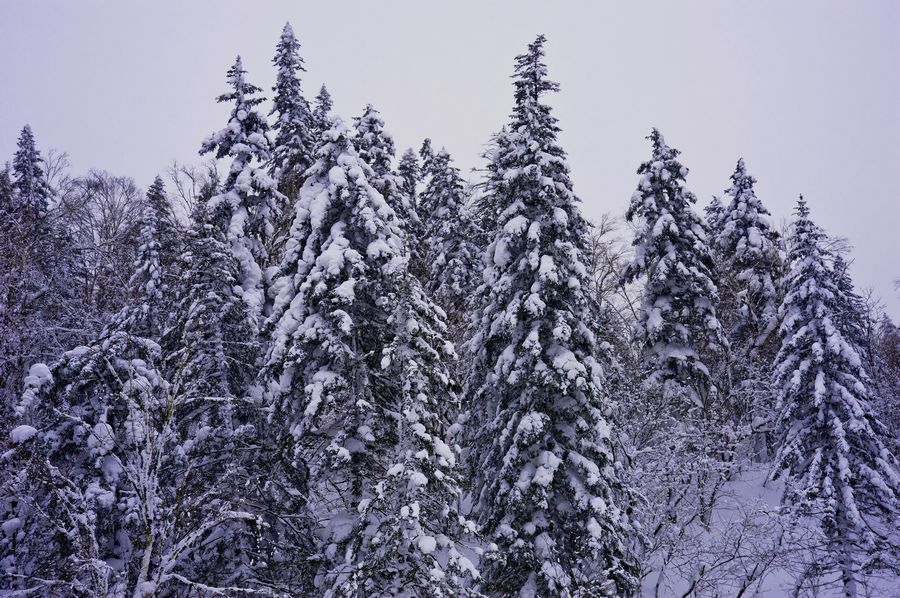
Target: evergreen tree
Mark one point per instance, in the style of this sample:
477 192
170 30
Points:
211 338
168 230
41 314
485 206
356 372
294 135
832 450
321 112
146 309
332 326
748 272
713 212
375 147
409 172
849 309
247 205
6 190
677 324
30 182
426 153
750 261
546 480
452 257
407 539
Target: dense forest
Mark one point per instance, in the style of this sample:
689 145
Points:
310 367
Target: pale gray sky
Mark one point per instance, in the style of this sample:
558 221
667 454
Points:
807 92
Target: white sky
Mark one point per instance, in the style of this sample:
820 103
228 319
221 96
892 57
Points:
807 92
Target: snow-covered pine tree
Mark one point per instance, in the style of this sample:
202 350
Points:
375 147
373 144
407 539
713 212
485 208
748 260
750 264
40 313
346 372
426 153
409 172
210 339
452 258
168 230
332 325
677 324
29 181
849 309
146 309
546 479
321 113
293 151
832 451
247 205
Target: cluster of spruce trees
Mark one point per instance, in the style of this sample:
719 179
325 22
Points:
344 377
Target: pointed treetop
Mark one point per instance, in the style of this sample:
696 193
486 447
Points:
287 55
236 77
294 136
158 200
408 170
157 188
802 210
661 151
28 175
531 73
741 180
287 32
376 145
323 100
426 153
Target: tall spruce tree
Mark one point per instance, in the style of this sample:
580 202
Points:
355 371
293 151
409 172
677 325
451 256
426 153
376 148
749 268
849 310
41 314
832 452
546 479
168 230
408 537
29 181
146 309
247 206
332 326
750 262
321 113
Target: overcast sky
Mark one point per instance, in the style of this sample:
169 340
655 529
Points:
807 92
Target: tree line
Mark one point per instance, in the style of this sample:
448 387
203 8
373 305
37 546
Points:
327 371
